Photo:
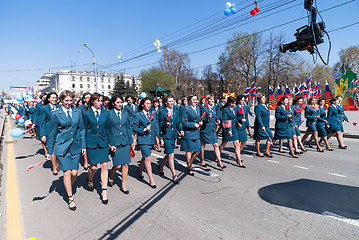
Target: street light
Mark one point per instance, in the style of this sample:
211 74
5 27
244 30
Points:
94 64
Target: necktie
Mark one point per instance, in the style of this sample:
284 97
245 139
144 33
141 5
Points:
119 115
97 116
68 113
148 115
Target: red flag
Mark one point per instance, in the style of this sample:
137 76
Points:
287 107
299 110
355 123
152 114
132 153
203 115
315 107
241 110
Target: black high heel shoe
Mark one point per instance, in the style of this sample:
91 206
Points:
175 179
220 168
293 156
190 171
104 201
329 149
239 165
259 155
268 155
320 150
161 173
110 183
125 192
343 147
71 201
310 146
139 175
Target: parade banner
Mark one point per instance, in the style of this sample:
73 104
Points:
342 82
228 94
19 88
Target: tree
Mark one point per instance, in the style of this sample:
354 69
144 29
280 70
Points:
209 76
133 85
156 77
128 88
175 64
120 86
322 73
241 60
349 57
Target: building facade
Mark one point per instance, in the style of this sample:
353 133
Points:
85 81
43 82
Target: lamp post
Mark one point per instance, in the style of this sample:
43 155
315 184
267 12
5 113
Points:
94 64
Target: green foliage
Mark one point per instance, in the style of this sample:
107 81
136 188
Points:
155 77
120 86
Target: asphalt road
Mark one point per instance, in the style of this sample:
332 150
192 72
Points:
313 197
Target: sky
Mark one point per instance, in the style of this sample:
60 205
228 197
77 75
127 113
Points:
38 36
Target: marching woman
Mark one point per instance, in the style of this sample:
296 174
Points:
169 124
283 130
191 123
66 139
120 140
321 123
247 111
242 119
37 120
50 104
296 121
261 126
146 131
132 109
208 131
85 101
230 129
97 141
334 122
156 108
312 114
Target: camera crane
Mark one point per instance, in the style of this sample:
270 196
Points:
308 37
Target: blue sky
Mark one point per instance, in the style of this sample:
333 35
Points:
39 35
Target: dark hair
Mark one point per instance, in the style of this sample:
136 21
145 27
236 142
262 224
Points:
230 100
41 95
333 100
65 94
259 97
132 97
296 99
239 98
191 96
321 99
166 97
78 102
280 101
105 98
155 100
84 95
113 100
184 99
143 100
310 100
46 102
93 97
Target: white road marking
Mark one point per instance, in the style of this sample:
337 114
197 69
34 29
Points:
272 161
341 218
248 156
338 175
301 167
185 165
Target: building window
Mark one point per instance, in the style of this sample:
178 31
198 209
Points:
73 85
73 78
88 86
109 80
81 86
88 79
109 86
80 79
102 79
102 86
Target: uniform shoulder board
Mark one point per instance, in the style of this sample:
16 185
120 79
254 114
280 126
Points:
55 110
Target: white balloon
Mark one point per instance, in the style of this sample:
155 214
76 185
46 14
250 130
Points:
159 50
228 4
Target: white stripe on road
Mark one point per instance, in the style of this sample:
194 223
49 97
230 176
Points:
185 165
338 175
248 156
272 161
341 218
301 167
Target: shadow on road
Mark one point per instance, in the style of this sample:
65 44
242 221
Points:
314 196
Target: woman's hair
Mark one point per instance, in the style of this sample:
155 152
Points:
296 99
280 102
310 100
230 100
66 93
333 100
143 100
209 96
321 99
95 96
259 97
46 102
155 101
184 99
166 97
239 98
191 96
132 97
78 103
113 100
84 96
